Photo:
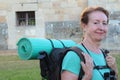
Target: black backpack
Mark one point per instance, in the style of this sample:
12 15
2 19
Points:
50 65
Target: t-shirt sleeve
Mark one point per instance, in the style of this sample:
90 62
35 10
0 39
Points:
71 62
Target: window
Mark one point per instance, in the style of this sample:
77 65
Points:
26 18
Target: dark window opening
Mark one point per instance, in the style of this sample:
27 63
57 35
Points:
26 18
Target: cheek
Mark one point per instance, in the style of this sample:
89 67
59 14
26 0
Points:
106 29
92 29
90 32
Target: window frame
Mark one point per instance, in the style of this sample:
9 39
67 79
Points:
25 18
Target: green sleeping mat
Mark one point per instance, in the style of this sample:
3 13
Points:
29 48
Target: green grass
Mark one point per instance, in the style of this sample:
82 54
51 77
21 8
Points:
12 68
117 56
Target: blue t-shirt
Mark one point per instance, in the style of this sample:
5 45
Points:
71 63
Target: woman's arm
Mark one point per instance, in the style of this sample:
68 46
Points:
87 68
66 75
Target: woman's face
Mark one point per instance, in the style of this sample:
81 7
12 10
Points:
97 26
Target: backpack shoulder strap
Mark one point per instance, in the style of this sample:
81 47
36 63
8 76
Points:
79 53
105 52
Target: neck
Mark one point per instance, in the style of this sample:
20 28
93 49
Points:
93 46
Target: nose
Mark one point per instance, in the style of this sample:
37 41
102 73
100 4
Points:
101 26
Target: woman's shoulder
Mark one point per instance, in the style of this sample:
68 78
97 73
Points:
72 53
71 62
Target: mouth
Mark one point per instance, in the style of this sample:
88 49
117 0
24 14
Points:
100 32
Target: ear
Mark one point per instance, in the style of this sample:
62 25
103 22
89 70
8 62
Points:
84 26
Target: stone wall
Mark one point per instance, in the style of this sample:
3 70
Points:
3 36
112 41
54 19
3 30
61 10
63 30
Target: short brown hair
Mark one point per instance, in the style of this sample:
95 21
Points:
84 16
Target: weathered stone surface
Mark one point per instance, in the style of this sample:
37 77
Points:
64 30
55 19
3 36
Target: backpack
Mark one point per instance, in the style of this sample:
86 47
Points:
50 65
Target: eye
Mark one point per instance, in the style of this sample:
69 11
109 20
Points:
105 23
96 23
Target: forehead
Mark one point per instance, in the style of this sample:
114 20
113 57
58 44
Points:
97 15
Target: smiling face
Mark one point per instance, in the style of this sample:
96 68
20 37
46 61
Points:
97 26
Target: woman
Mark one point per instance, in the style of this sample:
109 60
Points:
94 22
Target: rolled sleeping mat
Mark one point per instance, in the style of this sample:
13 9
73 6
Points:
29 48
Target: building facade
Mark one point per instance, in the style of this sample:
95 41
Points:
52 19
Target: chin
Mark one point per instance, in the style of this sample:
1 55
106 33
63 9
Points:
99 39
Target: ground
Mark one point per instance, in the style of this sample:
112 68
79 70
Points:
8 52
